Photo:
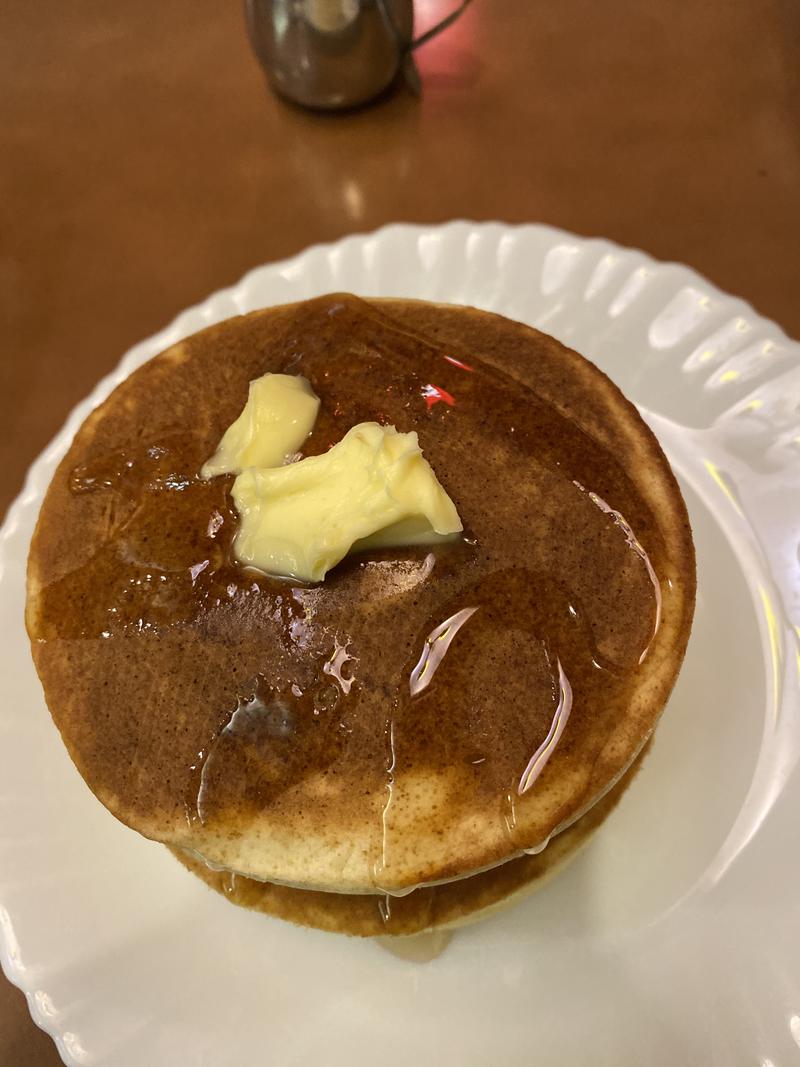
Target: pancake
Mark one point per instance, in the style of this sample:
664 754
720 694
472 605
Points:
269 726
440 907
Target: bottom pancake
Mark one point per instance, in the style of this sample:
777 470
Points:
436 907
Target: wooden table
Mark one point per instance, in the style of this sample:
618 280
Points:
144 164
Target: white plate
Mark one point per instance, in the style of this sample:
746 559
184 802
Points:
674 939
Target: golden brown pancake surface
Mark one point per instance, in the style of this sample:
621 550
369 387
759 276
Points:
436 907
272 727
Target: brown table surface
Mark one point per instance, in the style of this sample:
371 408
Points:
144 164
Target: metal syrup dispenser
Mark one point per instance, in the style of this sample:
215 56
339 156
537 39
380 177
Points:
333 54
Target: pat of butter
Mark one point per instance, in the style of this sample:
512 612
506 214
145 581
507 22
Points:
279 415
372 488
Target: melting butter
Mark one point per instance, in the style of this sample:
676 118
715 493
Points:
300 520
279 415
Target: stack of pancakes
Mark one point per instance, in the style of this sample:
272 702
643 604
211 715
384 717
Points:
392 749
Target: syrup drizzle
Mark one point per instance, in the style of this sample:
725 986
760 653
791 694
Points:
437 645
338 660
545 750
635 545
346 656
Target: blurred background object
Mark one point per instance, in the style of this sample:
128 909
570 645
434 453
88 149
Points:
334 54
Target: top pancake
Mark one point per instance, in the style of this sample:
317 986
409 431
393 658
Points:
270 726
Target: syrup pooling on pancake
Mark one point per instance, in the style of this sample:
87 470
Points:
549 579
543 753
633 543
550 616
437 645
298 729
143 577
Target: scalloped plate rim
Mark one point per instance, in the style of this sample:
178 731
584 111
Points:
32 491
118 373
